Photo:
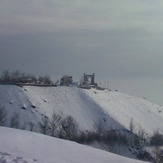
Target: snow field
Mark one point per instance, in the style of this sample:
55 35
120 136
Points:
28 147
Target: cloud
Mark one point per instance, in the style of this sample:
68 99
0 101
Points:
51 16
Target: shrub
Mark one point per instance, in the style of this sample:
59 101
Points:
157 139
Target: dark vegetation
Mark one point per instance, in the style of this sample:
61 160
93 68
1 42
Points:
157 139
18 77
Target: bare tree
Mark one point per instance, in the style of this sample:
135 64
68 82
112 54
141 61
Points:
131 126
157 141
15 120
3 115
133 139
44 125
157 155
47 79
69 128
55 123
5 76
141 138
40 80
15 76
99 127
141 133
32 127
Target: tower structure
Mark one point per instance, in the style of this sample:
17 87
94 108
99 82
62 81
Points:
88 80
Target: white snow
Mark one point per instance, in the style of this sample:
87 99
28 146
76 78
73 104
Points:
87 107
123 108
27 147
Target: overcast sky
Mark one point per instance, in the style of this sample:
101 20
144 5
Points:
119 41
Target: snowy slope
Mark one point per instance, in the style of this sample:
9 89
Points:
70 101
27 147
14 100
123 108
114 109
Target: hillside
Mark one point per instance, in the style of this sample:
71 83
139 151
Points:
123 108
94 110
28 147
88 107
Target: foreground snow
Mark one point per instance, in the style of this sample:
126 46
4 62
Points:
27 147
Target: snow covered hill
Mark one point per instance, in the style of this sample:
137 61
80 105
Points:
27 147
88 107
124 108
92 109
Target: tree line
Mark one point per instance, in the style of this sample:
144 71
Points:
18 77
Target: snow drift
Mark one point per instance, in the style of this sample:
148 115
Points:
28 147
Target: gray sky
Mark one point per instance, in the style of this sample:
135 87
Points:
120 41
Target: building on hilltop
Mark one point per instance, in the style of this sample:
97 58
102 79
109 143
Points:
66 80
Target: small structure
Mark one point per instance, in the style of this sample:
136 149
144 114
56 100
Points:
88 81
66 80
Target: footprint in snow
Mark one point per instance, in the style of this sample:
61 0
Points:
7 158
